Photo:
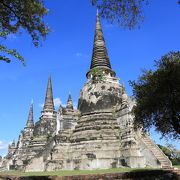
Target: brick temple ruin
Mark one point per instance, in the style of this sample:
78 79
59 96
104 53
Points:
99 134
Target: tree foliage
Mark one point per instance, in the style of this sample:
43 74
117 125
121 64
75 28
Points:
125 13
16 15
172 153
157 93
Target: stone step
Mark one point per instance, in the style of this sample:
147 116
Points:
159 155
162 159
164 162
157 152
168 165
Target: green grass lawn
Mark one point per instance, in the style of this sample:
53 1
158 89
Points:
73 172
178 166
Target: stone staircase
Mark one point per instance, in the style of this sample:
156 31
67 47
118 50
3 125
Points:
161 157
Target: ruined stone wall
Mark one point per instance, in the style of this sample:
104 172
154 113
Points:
46 126
99 96
85 155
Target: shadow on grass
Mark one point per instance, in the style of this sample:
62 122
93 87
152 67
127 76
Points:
149 174
134 174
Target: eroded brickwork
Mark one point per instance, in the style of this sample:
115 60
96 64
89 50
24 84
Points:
97 135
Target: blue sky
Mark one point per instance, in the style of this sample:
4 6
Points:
66 55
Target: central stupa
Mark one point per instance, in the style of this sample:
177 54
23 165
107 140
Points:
98 135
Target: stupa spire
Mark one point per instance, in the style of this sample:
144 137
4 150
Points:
49 103
30 122
100 56
69 102
14 142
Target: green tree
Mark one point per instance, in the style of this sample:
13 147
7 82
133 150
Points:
167 151
157 94
172 153
124 13
18 15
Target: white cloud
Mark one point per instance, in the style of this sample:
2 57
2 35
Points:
3 145
79 54
41 105
109 26
11 37
57 102
75 104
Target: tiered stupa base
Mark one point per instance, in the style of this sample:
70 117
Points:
94 144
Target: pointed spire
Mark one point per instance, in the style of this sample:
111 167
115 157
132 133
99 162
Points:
97 12
13 143
49 104
69 102
100 56
30 122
